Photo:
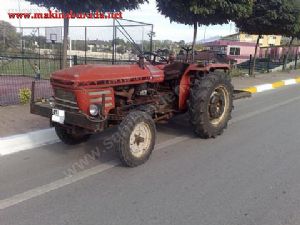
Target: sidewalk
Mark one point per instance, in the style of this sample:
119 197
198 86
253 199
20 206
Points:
266 78
17 119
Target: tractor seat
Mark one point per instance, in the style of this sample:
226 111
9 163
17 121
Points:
175 70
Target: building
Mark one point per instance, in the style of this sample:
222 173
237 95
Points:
240 46
234 50
265 41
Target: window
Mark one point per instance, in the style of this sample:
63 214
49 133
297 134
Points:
223 50
235 51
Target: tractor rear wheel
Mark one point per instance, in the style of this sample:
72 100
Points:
136 135
211 104
70 138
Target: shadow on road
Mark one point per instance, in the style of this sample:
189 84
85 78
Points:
101 147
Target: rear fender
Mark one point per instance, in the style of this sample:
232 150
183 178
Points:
185 82
184 89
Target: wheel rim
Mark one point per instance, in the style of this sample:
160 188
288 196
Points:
218 105
140 139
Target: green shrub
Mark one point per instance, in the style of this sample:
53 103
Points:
24 95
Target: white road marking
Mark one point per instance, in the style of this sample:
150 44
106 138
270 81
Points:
171 142
35 192
290 82
21 142
38 191
264 87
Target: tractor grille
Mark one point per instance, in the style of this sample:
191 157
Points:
65 99
96 98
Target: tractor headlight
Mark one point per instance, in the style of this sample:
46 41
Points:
94 110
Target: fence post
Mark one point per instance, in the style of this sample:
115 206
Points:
39 43
60 55
32 98
75 60
151 39
250 64
268 63
22 43
114 42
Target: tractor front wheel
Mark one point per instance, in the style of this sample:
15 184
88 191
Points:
210 104
137 135
70 138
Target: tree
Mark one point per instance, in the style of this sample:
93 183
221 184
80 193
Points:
120 49
119 41
9 38
181 43
292 30
208 12
269 17
84 6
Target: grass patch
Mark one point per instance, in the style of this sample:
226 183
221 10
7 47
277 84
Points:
26 67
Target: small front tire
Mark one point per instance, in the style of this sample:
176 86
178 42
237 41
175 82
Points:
137 134
70 138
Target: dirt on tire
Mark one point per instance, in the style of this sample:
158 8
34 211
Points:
199 101
125 130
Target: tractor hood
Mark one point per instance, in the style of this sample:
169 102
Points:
92 73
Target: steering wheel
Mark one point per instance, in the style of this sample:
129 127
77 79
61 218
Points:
155 55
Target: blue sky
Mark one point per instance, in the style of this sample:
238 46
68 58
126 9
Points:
146 13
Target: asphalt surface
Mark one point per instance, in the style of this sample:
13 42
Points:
247 176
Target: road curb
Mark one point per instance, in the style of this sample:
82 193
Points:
21 142
272 86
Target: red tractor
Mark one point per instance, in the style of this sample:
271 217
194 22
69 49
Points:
91 98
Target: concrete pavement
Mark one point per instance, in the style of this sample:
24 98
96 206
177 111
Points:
250 175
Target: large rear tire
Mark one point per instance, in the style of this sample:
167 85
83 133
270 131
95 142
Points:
70 138
211 104
137 136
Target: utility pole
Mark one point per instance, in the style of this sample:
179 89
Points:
205 34
143 39
19 8
151 35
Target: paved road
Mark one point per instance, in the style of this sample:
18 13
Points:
248 176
